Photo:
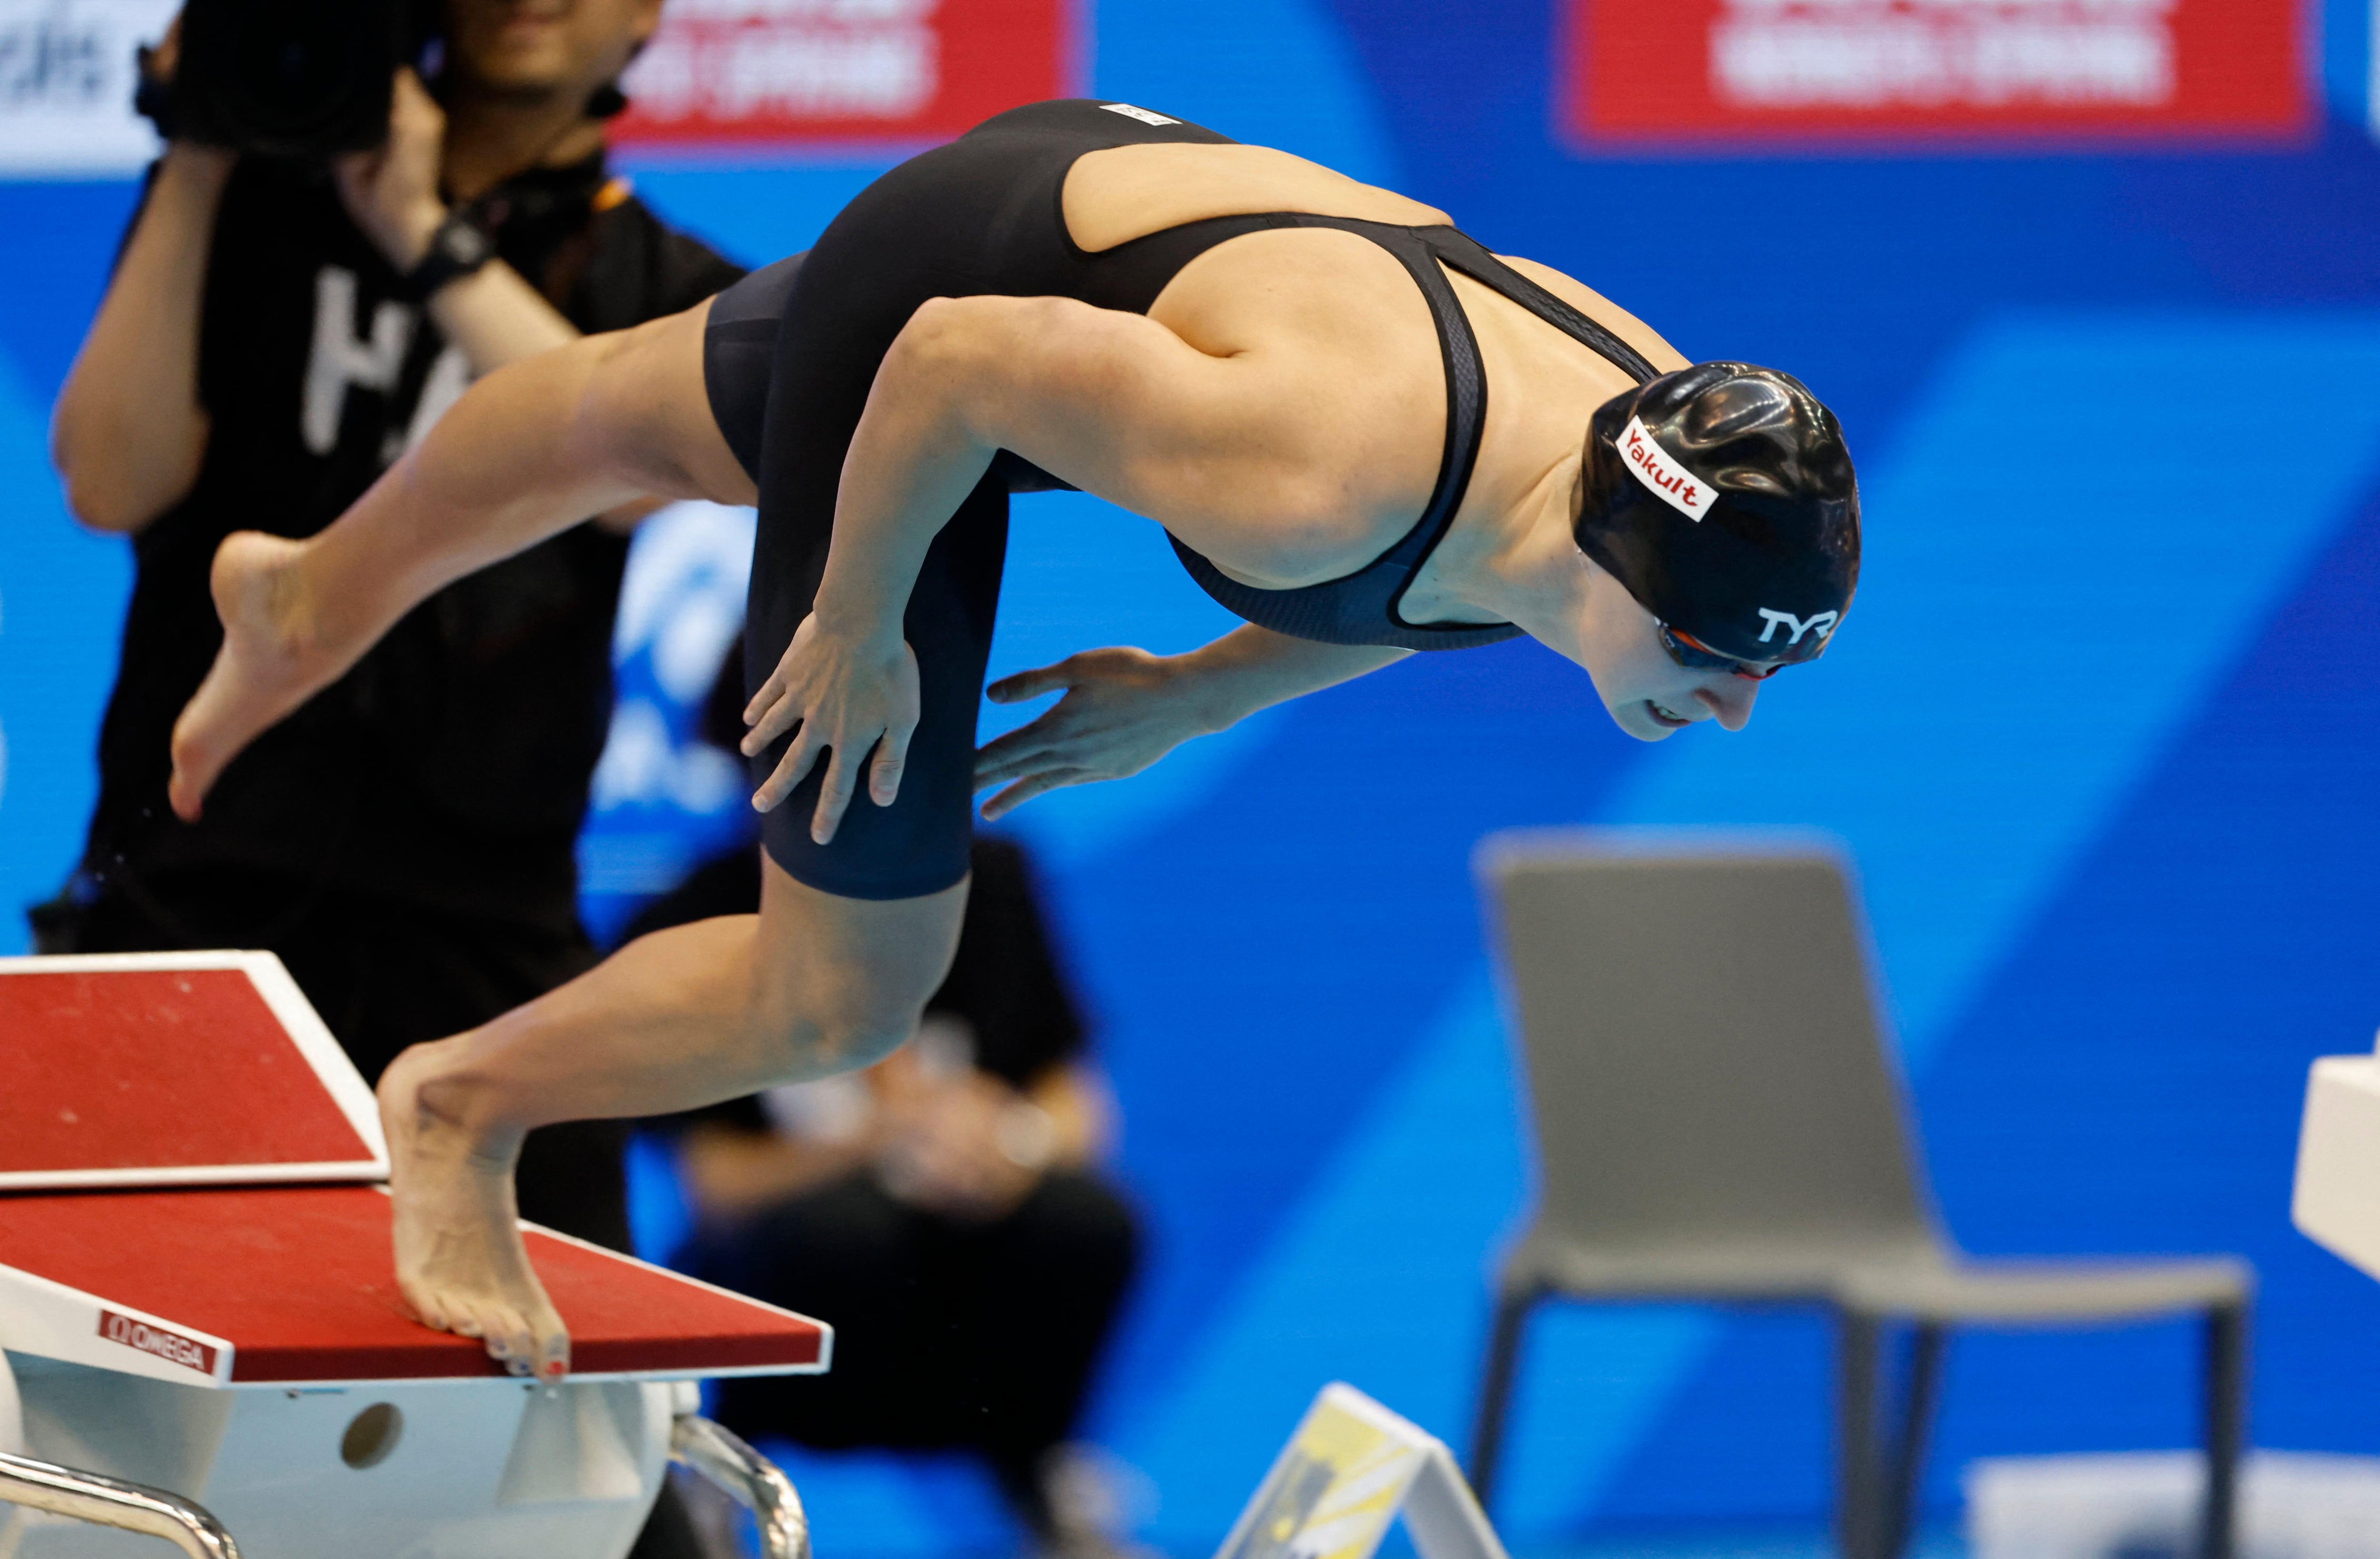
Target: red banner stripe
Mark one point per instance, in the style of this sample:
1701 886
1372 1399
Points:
745 71
1780 70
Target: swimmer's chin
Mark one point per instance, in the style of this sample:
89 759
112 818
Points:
1643 719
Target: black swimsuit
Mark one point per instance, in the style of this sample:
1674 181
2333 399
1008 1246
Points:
792 351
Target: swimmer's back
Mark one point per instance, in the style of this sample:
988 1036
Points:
1014 206
1119 193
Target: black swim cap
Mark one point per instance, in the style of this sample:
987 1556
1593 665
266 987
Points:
1722 496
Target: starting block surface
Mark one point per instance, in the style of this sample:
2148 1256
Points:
181 1068
285 1284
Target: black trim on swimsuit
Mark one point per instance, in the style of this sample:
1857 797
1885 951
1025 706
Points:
1364 607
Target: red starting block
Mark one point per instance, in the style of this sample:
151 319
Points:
196 1299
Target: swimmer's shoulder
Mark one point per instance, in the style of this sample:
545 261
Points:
1119 193
1603 311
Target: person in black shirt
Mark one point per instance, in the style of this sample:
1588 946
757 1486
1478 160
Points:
273 337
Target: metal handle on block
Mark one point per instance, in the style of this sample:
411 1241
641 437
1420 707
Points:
111 1502
750 1479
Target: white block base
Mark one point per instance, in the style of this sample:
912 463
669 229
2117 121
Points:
476 1469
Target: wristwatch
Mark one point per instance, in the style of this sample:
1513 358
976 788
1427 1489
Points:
458 247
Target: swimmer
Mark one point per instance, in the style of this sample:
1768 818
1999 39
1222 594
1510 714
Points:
1366 435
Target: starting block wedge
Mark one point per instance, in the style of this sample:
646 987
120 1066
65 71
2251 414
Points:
1351 1467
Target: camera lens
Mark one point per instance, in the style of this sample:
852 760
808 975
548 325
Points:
288 76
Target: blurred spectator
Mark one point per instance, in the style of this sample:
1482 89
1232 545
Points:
276 333
941 1209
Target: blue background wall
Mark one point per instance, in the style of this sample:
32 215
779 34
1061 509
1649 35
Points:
2103 736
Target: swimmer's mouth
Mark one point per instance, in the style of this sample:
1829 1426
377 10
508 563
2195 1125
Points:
1663 717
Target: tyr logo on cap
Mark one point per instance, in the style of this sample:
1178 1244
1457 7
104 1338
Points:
1671 482
1821 623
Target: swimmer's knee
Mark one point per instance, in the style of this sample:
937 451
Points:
865 1045
803 1045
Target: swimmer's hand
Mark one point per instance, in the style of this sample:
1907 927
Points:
844 697
1124 710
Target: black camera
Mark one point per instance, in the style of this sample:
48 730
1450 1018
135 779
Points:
289 77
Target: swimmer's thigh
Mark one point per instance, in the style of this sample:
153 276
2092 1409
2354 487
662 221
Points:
919 845
645 411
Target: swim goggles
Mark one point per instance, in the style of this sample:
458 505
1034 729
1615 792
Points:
1694 655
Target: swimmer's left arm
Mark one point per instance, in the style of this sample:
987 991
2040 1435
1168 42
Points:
1124 709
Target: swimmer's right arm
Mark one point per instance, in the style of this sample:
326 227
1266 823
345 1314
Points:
1272 456
1124 709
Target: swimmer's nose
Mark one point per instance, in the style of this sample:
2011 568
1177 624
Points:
1731 701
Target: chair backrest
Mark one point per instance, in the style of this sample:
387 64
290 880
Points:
1703 1053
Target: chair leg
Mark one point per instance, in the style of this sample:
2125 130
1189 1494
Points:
1496 1388
1908 1464
1859 1473
2227 1419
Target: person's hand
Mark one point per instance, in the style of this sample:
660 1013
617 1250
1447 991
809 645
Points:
392 190
845 696
953 1146
1124 710
159 61
157 64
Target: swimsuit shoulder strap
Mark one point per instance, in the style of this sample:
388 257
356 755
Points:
1467 255
1151 260
1466 389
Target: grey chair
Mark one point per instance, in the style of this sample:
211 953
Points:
1718 1119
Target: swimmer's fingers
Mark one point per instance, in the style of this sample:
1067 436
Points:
834 795
1024 790
891 760
1029 685
773 709
791 770
772 712
1033 746
773 720
893 751
1009 756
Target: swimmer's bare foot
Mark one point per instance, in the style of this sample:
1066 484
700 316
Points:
272 660
459 1258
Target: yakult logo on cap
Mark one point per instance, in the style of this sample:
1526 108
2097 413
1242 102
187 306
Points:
172 1346
1671 482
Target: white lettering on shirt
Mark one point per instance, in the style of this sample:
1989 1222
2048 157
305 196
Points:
340 357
